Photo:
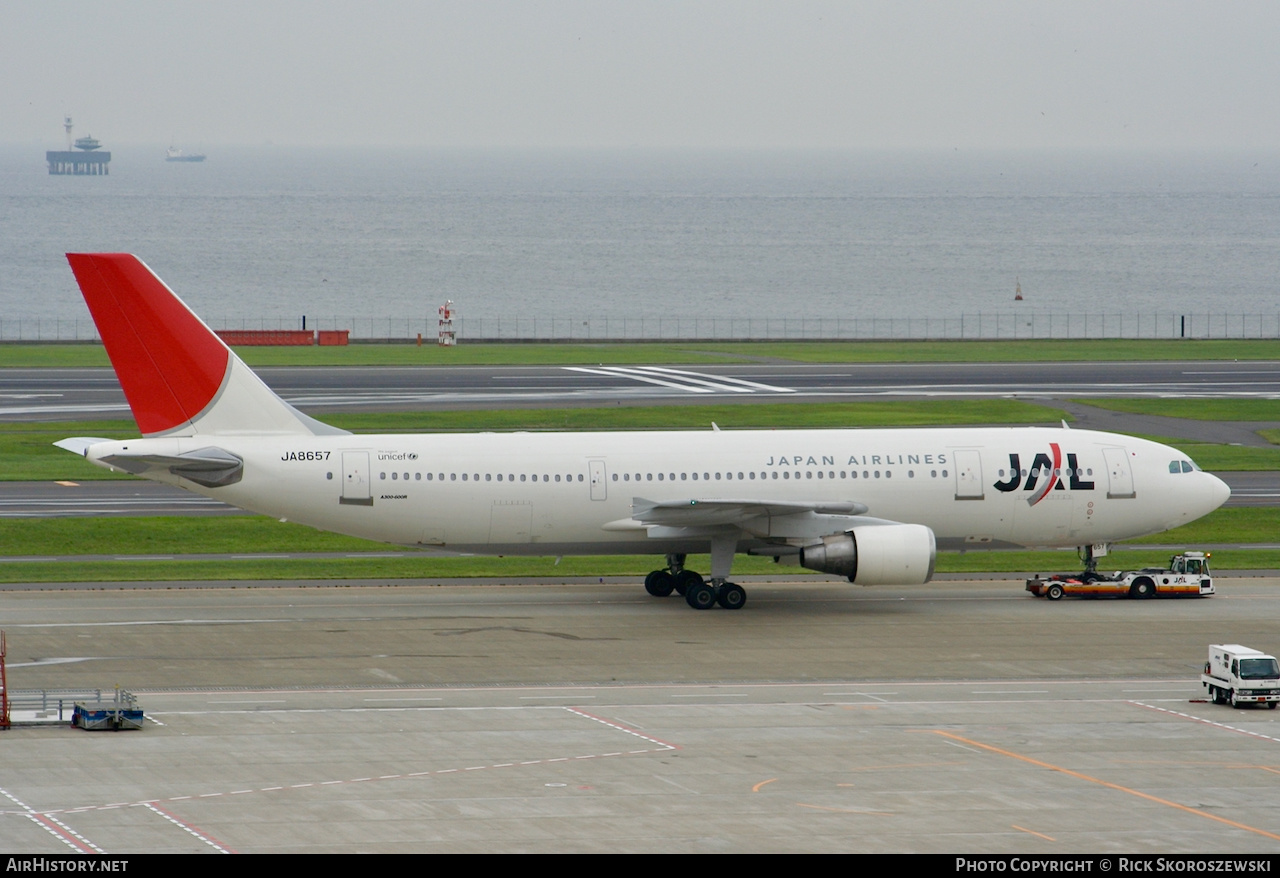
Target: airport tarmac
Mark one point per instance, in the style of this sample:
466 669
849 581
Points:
519 716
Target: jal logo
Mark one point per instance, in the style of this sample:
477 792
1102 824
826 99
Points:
1046 474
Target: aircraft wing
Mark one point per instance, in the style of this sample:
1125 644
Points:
693 512
767 519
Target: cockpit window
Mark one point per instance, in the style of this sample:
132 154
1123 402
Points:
1175 466
1182 466
1188 466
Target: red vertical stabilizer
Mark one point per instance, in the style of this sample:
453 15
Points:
169 363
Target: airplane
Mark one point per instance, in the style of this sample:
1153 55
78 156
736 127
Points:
870 505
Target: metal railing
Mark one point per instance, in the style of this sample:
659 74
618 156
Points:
978 326
46 701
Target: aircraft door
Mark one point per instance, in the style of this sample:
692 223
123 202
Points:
355 479
511 523
598 488
968 465
1119 474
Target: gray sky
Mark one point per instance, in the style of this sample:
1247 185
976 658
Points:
1181 74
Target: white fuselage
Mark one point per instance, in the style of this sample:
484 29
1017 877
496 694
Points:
566 493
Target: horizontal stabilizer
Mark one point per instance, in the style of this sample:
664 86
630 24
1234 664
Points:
211 467
79 444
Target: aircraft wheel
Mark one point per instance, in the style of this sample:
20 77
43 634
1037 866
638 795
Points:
701 596
685 580
659 583
1054 592
732 596
1142 588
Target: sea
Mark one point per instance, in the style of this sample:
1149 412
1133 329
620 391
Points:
272 233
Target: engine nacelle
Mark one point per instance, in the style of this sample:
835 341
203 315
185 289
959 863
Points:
891 554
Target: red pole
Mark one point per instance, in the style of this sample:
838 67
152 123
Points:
4 686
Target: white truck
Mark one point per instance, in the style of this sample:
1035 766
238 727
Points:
1238 675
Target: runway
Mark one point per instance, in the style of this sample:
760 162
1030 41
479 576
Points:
958 717
64 394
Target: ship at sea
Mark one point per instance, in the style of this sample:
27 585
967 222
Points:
176 155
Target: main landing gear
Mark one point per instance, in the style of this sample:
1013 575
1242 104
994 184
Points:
698 593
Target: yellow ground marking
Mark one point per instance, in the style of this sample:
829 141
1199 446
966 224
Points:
68 484
1104 783
1033 832
756 788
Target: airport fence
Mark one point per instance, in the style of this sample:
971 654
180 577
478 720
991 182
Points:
980 326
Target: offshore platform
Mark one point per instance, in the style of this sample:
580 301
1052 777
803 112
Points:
82 160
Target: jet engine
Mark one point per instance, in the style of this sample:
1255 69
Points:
891 554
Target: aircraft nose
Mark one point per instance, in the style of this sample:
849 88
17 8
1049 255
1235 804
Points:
1221 490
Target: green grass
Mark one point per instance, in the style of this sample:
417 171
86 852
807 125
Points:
700 417
83 355
1241 524
1194 409
27 452
171 535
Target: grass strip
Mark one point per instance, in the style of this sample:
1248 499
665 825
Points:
1193 409
19 355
